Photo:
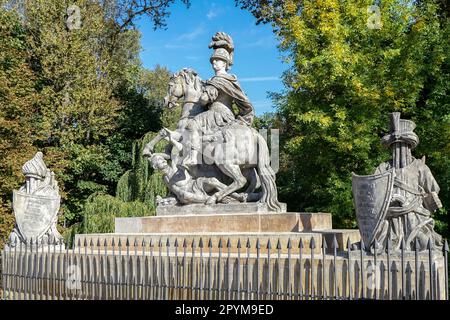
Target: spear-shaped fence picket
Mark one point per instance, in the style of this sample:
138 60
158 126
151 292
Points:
157 268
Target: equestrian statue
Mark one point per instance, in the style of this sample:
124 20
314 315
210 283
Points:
215 154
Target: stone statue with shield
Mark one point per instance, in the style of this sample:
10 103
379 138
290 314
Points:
396 202
36 205
215 154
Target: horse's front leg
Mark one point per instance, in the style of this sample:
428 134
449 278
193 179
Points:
213 183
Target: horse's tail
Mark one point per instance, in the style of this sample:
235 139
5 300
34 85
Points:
267 176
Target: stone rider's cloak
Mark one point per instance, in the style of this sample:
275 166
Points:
229 85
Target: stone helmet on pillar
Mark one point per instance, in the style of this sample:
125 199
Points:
223 47
400 131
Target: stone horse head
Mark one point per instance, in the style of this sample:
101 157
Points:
186 85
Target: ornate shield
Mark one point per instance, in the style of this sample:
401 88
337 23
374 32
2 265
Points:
34 214
372 195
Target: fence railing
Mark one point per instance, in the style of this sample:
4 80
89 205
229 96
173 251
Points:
189 269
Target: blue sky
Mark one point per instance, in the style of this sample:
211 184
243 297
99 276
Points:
257 61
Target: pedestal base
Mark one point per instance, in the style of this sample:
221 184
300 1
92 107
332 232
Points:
246 222
229 208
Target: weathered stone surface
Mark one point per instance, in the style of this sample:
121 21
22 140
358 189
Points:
36 205
372 195
341 238
247 222
215 155
395 204
230 208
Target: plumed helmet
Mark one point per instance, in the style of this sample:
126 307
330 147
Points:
223 47
400 130
35 167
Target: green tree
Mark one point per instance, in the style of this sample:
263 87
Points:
16 112
138 187
135 195
76 102
346 75
74 90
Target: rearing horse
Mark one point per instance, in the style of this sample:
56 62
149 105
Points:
233 147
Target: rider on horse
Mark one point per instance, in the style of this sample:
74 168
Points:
219 94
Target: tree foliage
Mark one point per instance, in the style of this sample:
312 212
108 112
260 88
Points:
80 95
138 187
127 11
135 195
17 116
343 81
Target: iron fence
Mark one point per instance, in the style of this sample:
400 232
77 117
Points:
188 269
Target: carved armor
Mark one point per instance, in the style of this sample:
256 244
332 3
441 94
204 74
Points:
414 195
408 215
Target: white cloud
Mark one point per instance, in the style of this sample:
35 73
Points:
259 79
189 36
262 42
186 40
175 46
214 11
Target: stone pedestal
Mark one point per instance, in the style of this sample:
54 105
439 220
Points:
231 226
342 235
233 223
229 208
278 250
226 222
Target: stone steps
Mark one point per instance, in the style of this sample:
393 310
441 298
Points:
215 237
234 226
341 236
